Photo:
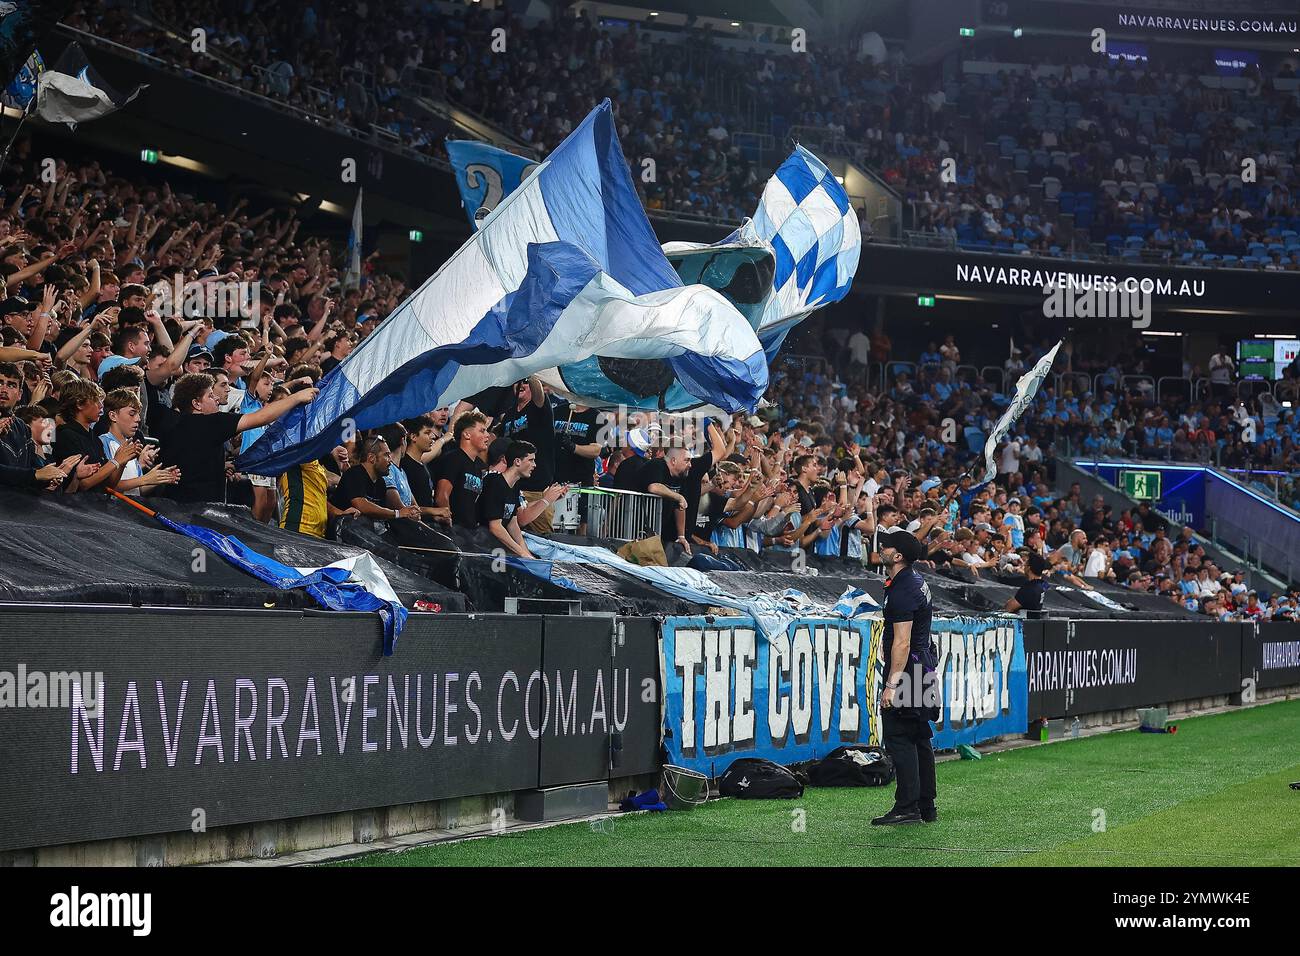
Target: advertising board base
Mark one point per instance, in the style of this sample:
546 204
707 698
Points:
313 839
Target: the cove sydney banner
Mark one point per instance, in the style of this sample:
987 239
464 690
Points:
730 693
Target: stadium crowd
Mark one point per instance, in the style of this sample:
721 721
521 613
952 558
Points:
1143 162
149 336
1148 163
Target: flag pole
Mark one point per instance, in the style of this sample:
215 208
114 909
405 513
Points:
4 157
132 502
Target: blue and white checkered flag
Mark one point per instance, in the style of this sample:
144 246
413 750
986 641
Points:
805 222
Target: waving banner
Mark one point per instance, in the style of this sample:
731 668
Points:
566 267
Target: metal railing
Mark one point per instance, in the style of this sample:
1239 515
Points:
1001 374
1063 379
1138 380
623 515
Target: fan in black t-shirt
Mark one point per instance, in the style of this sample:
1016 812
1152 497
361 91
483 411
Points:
419 441
362 486
359 483
196 442
1029 597
500 502
669 477
524 413
677 478
461 468
576 429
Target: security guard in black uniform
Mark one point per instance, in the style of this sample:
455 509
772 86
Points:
909 700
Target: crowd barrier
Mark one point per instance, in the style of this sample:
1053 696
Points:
125 723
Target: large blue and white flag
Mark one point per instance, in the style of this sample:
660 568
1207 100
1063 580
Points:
565 268
798 253
1026 388
485 175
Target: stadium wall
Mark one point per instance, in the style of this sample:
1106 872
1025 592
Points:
142 738
223 735
1102 672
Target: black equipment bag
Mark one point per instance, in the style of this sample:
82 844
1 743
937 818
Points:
856 766
753 778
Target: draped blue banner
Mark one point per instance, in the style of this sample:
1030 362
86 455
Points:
983 680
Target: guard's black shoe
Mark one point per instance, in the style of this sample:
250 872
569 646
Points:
896 818
930 816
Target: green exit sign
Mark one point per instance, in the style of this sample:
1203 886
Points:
925 301
417 235
967 31
1141 485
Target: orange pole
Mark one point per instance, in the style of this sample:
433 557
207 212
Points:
132 502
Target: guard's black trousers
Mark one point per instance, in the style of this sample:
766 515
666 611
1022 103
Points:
907 740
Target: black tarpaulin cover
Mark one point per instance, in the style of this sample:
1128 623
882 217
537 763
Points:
92 549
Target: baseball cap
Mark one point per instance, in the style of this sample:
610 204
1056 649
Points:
929 483
905 544
755 422
984 526
14 304
198 351
215 336
113 361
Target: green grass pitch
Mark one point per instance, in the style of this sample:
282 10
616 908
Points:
1214 793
